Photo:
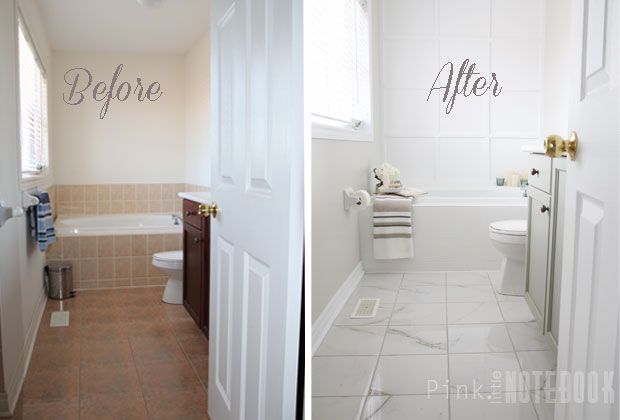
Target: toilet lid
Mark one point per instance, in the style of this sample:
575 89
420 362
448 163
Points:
510 227
169 256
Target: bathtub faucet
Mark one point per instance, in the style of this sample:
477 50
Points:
176 220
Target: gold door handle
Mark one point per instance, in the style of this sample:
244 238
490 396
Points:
555 145
207 210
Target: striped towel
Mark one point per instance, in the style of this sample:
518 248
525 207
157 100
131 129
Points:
392 227
42 223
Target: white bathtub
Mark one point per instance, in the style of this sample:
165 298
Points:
450 230
116 224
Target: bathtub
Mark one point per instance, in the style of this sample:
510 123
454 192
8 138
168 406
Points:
113 251
116 224
450 230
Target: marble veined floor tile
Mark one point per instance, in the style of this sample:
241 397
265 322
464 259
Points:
385 293
382 280
527 336
470 293
384 311
352 340
425 339
425 278
342 376
474 313
495 280
406 407
495 406
343 408
544 403
516 312
421 294
467 277
479 338
407 375
485 372
419 314
540 367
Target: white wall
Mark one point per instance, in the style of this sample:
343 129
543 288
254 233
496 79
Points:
556 68
21 264
335 232
136 141
198 112
481 138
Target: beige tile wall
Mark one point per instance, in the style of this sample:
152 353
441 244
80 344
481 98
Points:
114 261
70 200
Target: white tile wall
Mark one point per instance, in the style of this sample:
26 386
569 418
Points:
482 137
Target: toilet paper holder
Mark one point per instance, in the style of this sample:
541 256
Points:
352 198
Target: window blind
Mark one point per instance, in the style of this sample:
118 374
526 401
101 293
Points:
339 62
33 107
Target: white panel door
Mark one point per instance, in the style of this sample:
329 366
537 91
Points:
588 335
257 237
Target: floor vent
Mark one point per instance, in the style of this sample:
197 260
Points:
59 319
365 308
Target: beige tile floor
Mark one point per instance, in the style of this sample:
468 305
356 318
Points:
125 355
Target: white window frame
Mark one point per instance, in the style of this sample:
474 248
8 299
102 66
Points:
326 128
30 179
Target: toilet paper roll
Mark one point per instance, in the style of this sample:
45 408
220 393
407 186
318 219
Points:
364 198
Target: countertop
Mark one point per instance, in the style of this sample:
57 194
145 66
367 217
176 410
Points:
198 197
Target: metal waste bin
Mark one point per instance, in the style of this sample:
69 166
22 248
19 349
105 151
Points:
59 280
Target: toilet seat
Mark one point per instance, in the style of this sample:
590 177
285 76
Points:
169 259
509 227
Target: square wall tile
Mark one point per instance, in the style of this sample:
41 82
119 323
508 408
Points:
457 50
517 63
469 116
408 113
409 63
515 114
414 157
463 160
464 18
409 17
517 18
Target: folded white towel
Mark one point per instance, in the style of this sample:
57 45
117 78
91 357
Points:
392 228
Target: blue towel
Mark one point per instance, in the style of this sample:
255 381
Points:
42 223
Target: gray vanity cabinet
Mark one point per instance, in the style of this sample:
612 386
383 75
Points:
545 241
538 241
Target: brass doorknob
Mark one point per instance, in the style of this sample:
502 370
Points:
555 145
207 210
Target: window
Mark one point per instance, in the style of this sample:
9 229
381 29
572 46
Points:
33 107
339 68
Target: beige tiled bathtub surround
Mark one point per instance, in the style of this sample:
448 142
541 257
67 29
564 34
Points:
101 262
120 198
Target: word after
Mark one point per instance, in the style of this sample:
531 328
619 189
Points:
80 80
463 84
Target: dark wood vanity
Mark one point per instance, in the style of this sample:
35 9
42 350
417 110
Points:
196 264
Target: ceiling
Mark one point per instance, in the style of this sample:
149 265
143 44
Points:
172 26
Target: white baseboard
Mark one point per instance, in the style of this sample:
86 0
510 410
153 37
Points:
17 380
335 305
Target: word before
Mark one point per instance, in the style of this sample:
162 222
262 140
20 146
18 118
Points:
80 79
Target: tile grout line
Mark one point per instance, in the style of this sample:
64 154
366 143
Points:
374 371
448 349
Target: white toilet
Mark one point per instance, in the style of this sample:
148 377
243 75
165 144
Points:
171 263
508 237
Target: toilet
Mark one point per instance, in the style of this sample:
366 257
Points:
171 263
508 237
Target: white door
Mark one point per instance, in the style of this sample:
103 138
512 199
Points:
257 182
588 337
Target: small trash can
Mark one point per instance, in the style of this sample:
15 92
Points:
59 280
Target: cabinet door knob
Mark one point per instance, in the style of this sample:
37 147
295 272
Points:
197 240
535 171
544 209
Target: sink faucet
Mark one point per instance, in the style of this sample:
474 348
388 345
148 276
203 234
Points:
176 220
